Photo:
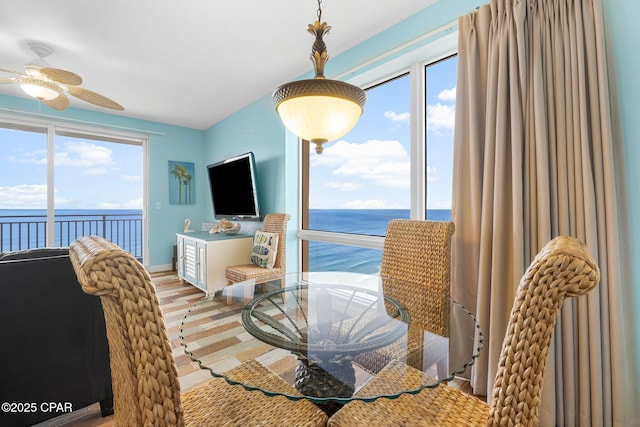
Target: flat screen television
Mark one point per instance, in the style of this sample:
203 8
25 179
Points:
233 188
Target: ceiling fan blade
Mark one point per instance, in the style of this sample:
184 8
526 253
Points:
8 80
61 102
17 73
61 76
94 98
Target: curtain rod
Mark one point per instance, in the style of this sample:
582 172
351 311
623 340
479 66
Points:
450 26
103 125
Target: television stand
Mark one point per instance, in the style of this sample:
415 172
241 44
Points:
203 257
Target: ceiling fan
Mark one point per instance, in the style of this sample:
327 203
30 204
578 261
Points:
51 85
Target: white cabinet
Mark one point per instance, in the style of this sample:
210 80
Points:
203 257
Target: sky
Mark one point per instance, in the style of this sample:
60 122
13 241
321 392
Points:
89 174
369 167
366 169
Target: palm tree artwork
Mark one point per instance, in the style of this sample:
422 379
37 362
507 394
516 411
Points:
181 183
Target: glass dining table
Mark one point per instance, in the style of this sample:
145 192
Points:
328 333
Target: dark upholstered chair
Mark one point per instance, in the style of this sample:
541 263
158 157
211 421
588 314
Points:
145 381
563 268
54 340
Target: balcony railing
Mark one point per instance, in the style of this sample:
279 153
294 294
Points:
30 231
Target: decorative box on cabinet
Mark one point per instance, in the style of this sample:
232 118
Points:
203 257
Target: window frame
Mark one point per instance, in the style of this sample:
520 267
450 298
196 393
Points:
414 63
52 128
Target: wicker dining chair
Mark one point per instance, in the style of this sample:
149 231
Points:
563 268
273 223
416 256
146 388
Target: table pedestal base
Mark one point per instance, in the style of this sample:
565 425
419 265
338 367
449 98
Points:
321 379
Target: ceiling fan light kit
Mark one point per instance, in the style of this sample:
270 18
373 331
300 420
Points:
50 85
40 89
319 109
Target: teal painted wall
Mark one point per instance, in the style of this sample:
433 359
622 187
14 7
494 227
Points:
623 25
180 144
166 143
255 128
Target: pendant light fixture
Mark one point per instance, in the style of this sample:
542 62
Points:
319 110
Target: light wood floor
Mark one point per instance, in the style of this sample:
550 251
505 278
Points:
175 299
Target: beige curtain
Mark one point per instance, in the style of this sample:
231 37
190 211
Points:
538 153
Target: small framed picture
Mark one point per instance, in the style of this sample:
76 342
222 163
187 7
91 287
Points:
181 183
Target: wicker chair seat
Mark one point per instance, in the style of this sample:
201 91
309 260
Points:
444 406
240 273
217 403
408 351
273 223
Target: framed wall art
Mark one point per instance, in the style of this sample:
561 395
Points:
181 183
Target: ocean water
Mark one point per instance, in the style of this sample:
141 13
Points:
335 257
73 223
26 228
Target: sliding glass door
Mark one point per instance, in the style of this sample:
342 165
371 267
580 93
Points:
98 186
59 183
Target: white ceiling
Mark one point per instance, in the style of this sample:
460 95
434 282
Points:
187 63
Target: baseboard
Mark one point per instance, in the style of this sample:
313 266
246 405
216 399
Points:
157 268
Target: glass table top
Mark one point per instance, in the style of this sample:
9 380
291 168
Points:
328 333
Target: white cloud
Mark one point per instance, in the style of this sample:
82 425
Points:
397 117
24 196
95 171
447 95
368 204
131 204
27 196
441 117
382 163
446 204
130 178
432 174
342 186
35 157
93 159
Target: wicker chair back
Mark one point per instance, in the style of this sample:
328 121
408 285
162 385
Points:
418 254
146 389
563 268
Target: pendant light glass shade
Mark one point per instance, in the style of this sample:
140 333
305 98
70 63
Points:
39 89
319 110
